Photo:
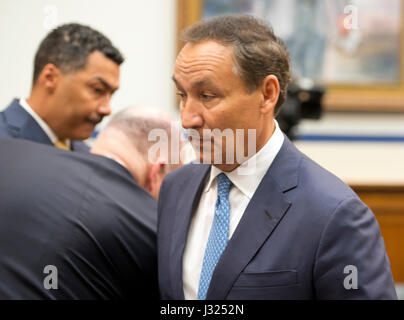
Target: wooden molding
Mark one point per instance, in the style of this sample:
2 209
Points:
387 203
339 97
188 12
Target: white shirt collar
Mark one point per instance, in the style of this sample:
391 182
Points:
247 184
44 126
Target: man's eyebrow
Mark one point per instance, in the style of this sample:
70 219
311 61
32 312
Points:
175 80
196 84
176 83
202 83
106 84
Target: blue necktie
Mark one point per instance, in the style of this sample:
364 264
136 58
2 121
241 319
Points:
218 236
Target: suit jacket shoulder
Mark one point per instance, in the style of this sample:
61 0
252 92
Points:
302 228
15 122
81 213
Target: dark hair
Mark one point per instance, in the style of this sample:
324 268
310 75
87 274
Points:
68 47
257 51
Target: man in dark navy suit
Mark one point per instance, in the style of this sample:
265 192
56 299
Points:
76 71
82 225
270 225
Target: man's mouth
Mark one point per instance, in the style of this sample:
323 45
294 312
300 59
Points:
201 140
94 120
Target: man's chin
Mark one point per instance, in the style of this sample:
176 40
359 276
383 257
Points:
208 158
87 130
83 134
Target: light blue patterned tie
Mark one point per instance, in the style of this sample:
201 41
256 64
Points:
218 236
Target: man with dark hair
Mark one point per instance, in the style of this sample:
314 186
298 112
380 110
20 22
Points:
274 224
76 71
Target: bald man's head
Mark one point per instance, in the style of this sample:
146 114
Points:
136 123
126 139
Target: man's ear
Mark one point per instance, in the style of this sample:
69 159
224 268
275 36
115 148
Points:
49 77
270 93
154 171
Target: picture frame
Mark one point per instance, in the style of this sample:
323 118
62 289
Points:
385 96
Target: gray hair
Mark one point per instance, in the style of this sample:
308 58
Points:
137 126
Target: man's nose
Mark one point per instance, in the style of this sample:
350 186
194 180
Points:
191 117
105 108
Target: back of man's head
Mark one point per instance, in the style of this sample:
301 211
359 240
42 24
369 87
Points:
137 122
68 47
141 138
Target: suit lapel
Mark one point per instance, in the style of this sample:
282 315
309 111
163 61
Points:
185 208
265 210
23 125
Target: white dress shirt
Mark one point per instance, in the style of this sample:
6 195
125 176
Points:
44 126
241 192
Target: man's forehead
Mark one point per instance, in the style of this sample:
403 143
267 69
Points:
109 83
202 81
204 52
101 69
201 58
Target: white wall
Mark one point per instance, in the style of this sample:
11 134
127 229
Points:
144 31
354 124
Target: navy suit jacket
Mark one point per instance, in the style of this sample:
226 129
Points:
83 214
301 230
15 122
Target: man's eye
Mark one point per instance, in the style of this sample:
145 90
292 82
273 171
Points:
207 97
181 95
98 90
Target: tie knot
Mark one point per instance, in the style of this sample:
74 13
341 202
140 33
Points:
61 145
224 184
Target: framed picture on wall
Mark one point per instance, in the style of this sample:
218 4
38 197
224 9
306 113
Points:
353 47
